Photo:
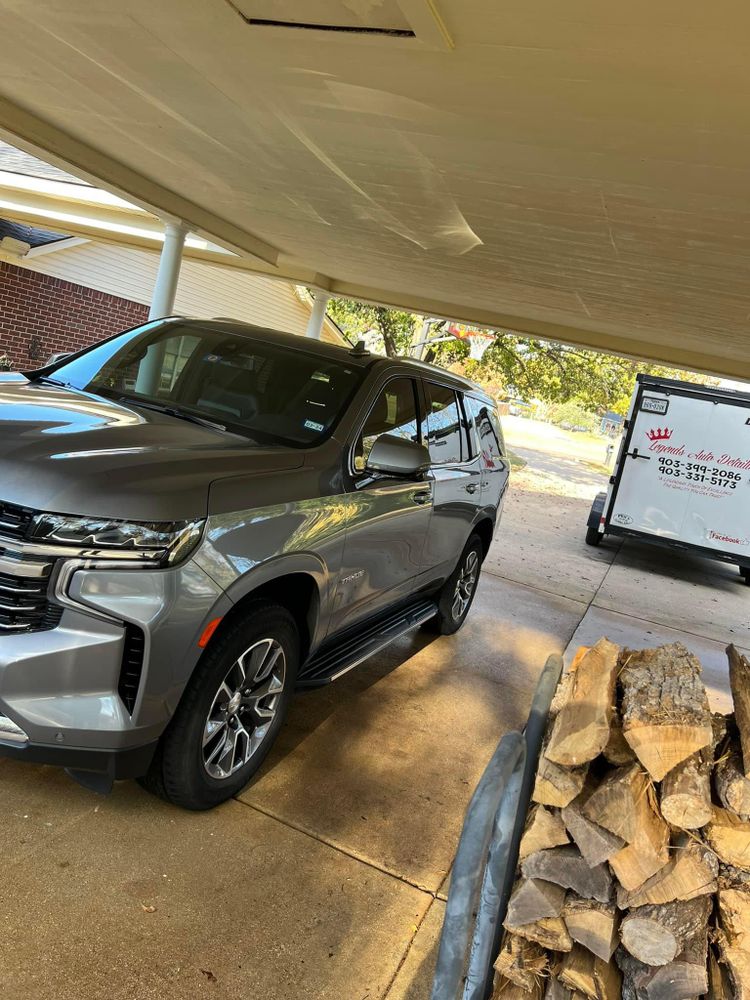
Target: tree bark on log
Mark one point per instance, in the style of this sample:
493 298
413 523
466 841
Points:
504 989
565 866
739 682
581 728
683 979
550 933
729 837
731 785
690 872
522 962
532 900
543 829
593 925
737 962
657 934
665 711
686 793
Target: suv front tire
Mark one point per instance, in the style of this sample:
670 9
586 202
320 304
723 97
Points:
230 712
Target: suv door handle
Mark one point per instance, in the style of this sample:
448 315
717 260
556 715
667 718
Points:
422 496
471 488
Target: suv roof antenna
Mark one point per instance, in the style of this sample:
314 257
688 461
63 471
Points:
359 350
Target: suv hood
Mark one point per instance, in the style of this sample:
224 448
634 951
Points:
73 452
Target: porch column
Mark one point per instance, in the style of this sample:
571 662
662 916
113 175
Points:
318 315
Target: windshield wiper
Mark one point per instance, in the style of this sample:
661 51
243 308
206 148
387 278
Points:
48 380
172 411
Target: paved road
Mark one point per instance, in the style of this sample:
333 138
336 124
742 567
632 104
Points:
326 878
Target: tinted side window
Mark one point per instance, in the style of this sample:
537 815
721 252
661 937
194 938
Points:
485 420
444 430
394 412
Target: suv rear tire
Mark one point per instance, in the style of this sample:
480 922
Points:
457 593
231 711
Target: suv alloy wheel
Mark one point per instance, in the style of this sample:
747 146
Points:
231 710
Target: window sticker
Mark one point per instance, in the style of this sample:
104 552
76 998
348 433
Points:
312 425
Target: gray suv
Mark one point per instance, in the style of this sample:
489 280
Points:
199 517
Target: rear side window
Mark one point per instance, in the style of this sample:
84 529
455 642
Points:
393 412
444 432
487 429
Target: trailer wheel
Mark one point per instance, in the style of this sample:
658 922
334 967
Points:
593 536
745 574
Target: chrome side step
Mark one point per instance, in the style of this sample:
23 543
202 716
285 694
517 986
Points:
361 642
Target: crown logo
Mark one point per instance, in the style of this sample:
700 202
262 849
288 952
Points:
659 434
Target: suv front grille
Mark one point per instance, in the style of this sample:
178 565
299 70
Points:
24 606
14 520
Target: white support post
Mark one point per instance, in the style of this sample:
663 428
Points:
318 315
165 289
162 303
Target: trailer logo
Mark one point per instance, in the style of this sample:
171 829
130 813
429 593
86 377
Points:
660 434
623 518
717 536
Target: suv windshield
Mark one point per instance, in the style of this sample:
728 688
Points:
248 386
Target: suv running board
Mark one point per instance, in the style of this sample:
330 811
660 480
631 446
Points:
359 643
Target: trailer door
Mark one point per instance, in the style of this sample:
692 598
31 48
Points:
685 472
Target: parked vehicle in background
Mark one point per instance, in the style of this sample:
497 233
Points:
682 474
196 518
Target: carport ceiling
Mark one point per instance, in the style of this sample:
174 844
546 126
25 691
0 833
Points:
575 170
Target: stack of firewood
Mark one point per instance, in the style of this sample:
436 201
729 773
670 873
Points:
634 869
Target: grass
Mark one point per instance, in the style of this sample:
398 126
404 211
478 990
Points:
516 462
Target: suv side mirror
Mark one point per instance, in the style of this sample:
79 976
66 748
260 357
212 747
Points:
398 456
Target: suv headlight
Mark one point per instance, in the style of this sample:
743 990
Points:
165 542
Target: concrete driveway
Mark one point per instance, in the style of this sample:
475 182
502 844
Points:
326 878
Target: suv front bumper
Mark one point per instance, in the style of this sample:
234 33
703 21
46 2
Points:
60 688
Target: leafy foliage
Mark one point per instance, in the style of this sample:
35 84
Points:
396 328
512 365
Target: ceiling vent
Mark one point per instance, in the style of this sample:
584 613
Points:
398 19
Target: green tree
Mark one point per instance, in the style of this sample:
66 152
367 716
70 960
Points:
557 373
395 327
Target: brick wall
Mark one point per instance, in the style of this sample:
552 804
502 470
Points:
40 315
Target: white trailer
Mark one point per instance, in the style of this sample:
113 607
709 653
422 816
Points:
682 476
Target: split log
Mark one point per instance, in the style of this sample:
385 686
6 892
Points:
582 972
550 933
556 785
581 728
718 987
565 866
732 787
686 977
532 900
734 916
522 962
657 934
556 991
618 751
729 836
543 829
686 793
737 962
683 979
665 713
625 805
739 682
690 872
504 989
593 925
595 843
686 790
